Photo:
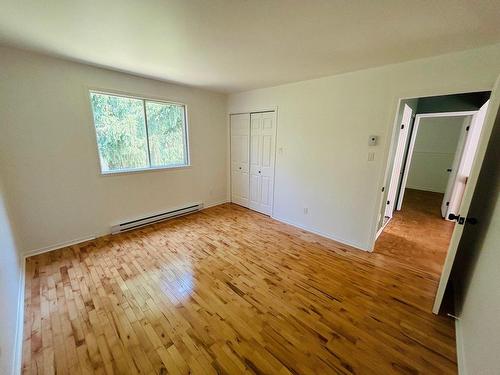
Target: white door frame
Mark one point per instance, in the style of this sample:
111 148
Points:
249 112
409 157
392 189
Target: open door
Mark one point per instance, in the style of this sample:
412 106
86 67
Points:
483 136
454 167
398 160
466 159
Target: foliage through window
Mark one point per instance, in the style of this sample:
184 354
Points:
134 134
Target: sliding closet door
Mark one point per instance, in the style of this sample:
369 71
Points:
262 154
240 140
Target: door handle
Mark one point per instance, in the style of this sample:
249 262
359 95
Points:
259 171
240 168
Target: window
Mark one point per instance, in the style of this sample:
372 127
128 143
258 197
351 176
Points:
136 134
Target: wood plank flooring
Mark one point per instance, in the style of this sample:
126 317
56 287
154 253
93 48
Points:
229 291
418 235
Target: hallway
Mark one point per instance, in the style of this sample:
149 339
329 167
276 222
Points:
417 235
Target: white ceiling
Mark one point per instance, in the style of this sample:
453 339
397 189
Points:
236 45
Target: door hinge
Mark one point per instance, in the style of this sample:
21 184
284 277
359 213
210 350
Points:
383 188
388 202
467 128
402 126
447 204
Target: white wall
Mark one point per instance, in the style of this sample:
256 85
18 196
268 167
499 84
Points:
479 326
10 291
49 160
475 275
434 151
323 129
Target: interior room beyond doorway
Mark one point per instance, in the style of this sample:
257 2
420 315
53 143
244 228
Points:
433 148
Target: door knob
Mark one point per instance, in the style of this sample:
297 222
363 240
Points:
259 171
240 168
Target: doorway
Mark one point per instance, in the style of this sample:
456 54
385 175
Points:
435 141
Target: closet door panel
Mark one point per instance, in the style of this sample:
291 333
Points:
240 137
262 155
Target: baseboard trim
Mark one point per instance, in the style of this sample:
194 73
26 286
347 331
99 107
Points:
379 232
218 203
18 345
460 349
76 241
330 237
17 360
59 245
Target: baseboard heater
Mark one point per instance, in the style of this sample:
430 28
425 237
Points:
133 224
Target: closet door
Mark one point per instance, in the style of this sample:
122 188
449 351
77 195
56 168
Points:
262 155
240 138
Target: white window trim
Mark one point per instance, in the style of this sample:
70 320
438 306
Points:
144 99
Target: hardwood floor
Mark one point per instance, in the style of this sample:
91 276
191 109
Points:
230 291
417 235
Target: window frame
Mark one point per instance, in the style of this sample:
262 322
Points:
144 99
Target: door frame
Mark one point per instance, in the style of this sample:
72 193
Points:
411 146
398 163
389 146
228 164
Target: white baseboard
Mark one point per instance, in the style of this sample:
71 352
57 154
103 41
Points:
425 188
460 349
330 237
379 232
76 241
59 245
18 345
17 360
215 204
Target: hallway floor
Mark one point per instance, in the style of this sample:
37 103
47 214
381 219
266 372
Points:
418 235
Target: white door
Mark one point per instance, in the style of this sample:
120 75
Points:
262 155
454 167
240 138
476 162
398 161
465 165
